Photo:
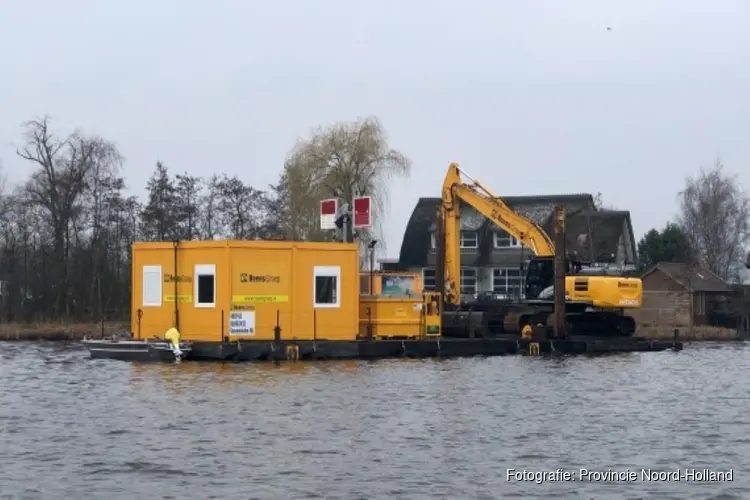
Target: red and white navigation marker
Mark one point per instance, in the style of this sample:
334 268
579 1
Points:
362 212
328 211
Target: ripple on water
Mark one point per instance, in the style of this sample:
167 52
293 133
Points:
72 427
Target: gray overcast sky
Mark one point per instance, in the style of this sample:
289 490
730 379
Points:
530 97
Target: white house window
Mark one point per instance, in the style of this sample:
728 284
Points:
468 281
469 239
504 240
152 286
428 278
326 286
507 281
205 285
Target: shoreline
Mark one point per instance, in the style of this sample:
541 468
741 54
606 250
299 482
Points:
699 334
58 332
73 332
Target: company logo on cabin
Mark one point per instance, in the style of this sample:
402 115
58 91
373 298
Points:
259 278
180 278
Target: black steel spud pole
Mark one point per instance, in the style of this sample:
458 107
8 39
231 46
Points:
560 269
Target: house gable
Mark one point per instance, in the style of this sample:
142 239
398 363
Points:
610 231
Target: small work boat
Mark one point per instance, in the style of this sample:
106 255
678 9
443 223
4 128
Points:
137 350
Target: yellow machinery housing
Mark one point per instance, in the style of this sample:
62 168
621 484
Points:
230 290
388 317
397 307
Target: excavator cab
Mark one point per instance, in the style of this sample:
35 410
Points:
540 274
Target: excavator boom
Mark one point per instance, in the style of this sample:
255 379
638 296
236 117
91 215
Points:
491 206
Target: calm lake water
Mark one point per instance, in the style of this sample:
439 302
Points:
71 427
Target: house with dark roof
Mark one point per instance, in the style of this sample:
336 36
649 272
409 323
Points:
492 261
674 290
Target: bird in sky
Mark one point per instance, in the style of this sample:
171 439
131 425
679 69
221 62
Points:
609 28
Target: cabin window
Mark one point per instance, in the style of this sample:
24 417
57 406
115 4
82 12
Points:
428 278
152 286
508 282
469 239
327 286
504 240
205 285
468 281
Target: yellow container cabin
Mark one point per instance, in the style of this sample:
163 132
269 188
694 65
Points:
244 290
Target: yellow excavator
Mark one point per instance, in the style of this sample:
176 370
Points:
595 305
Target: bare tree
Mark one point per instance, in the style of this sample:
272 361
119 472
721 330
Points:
346 159
209 200
299 193
56 186
3 179
242 208
187 191
715 215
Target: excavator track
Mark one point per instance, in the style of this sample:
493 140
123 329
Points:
596 323
493 318
578 320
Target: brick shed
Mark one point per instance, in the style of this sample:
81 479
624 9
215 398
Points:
669 288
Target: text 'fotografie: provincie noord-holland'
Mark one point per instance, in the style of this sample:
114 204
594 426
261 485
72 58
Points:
609 475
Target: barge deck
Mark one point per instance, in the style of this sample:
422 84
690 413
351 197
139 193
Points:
290 350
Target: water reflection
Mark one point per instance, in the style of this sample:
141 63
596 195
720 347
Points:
187 376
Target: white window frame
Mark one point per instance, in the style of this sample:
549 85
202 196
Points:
476 280
434 278
327 271
151 269
521 280
514 243
475 239
203 270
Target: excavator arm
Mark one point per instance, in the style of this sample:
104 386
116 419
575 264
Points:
456 191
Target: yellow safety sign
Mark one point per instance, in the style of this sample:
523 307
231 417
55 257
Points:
181 299
256 299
